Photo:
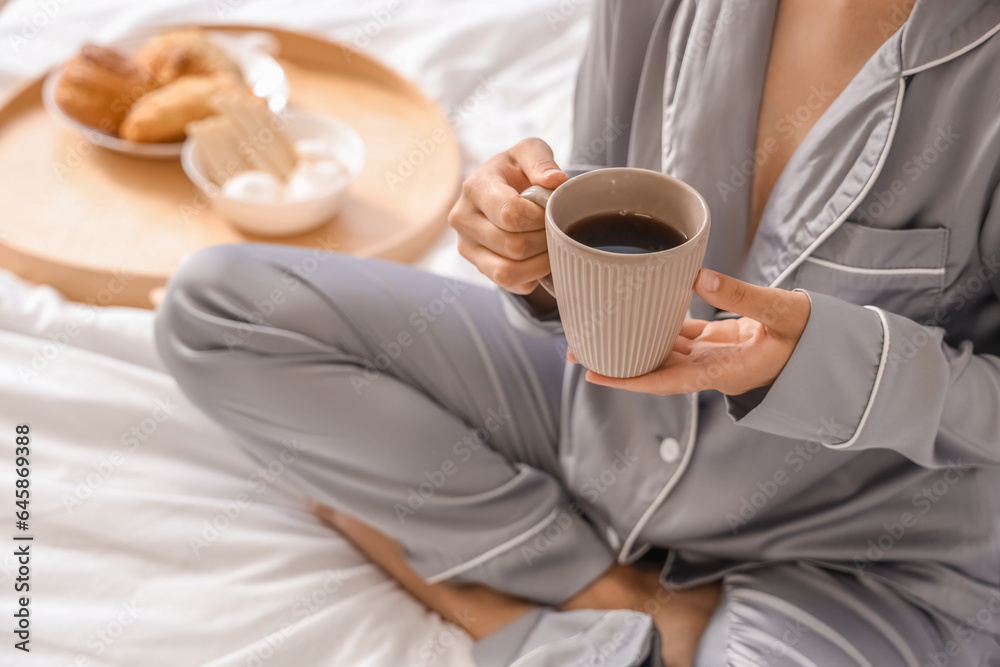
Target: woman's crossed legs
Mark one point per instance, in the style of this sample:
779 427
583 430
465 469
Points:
406 400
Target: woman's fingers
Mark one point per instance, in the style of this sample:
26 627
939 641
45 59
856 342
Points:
499 231
534 158
785 313
494 189
489 193
517 276
683 345
676 376
475 227
693 328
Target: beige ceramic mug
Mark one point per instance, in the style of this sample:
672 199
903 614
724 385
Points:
622 312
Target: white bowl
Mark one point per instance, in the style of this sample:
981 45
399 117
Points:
286 218
250 51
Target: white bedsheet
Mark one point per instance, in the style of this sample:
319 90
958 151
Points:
118 574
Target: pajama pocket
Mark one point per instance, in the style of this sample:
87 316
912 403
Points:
899 270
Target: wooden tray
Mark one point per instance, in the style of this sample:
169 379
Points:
86 220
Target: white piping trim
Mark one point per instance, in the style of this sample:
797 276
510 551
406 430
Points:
769 640
865 611
495 551
857 200
885 151
794 611
878 381
875 272
951 56
668 565
667 488
640 552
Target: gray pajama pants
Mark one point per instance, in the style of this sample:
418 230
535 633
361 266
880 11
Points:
409 401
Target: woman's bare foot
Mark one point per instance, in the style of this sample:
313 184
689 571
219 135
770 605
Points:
479 610
681 616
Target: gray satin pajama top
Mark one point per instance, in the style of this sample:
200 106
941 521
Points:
888 215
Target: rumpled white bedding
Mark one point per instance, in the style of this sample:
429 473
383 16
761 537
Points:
157 542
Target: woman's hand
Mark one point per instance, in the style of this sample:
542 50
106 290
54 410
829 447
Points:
732 356
499 231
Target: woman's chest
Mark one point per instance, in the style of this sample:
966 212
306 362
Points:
816 50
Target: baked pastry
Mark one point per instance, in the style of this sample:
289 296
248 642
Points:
99 86
244 136
162 115
171 55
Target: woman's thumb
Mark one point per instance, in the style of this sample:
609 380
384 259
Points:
753 301
535 159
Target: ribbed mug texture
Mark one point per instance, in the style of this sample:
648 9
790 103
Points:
621 313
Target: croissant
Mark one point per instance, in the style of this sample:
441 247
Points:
171 55
162 115
99 86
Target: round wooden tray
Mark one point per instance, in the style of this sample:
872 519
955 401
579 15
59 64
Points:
108 228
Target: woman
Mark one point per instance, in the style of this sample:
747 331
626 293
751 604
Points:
811 479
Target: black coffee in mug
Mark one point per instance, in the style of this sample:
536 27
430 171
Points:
625 233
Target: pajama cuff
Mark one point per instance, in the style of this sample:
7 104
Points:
546 637
520 316
548 564
825 392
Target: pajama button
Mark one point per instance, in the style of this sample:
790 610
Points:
670 450
613 538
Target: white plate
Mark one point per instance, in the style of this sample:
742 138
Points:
251 51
